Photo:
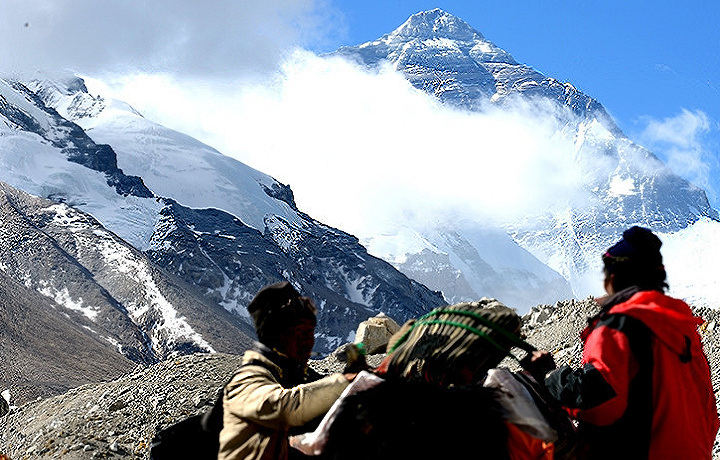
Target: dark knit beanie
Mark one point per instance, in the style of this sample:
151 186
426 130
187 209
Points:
276 308
639 248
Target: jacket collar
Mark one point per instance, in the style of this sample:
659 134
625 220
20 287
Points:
291 372
607 302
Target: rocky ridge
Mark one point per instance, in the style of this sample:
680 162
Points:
117 419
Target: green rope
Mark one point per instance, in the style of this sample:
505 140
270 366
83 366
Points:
478 332
361 348
514 339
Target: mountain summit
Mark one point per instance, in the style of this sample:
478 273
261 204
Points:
434 24
443 55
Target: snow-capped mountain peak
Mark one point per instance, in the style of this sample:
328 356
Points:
173 164
435 24
620 183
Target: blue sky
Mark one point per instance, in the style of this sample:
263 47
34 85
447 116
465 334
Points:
655 66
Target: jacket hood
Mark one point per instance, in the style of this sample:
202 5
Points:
670 319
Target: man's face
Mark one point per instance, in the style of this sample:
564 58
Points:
298 341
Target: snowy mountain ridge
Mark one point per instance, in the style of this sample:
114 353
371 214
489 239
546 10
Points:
100 282
217 225
220 182
172 164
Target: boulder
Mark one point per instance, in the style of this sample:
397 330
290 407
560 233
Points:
374 333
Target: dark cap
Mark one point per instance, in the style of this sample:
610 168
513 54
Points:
639 247
277 307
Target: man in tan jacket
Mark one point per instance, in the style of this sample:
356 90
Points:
273 391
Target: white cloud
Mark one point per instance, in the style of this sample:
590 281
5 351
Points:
218 38
681 142
682 130
365 150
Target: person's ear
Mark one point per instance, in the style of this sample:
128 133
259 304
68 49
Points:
610 283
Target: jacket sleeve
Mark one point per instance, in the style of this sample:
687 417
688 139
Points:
597 392
256 396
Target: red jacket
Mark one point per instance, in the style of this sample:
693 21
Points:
644 390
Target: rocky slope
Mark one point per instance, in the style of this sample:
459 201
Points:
35 336
95 282
117 419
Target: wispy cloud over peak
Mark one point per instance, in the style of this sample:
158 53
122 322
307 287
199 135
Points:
683 141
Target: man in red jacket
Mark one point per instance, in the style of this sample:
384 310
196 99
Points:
644 390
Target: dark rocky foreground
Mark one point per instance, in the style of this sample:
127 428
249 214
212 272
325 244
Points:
117 419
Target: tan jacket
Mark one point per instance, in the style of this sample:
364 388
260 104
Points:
258 411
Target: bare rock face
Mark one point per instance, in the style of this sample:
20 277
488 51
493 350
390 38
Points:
375 333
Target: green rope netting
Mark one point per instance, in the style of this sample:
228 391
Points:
512 338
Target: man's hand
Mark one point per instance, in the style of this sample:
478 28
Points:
354 358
